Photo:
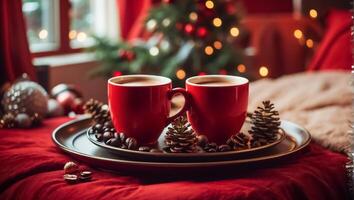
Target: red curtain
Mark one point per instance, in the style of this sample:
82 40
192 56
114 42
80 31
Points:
15 57
335 49
131 15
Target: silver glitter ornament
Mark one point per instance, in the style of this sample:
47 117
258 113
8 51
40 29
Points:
26 96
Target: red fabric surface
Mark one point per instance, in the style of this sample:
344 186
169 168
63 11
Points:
335 50
15 57
32 169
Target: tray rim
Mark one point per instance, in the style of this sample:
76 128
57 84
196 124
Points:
176 164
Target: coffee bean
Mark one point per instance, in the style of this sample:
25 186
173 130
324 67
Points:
131 143
114 142
85 178
90 131
123 146
122 137
70 168
212 145
107 136
202 140
70 178
107 130
211 150
144 148
98 127
85 173
108 124
224 148
99 137
156 151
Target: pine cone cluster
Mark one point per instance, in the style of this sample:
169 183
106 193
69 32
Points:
265 125
99 112
181 138
239 141
7 121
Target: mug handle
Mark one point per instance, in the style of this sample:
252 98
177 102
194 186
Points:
186 105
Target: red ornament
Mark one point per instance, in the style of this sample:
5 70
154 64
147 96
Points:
189 28
66 100
223 72
117 73
126 55
201 32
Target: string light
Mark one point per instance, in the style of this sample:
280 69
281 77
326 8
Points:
166 22
43 34
313 13
193 16
208 50
81 36
309 43
217 22
298 34
72 34
180 74
241 68
234 31
209 4
263 71
151 24
217 45
154 51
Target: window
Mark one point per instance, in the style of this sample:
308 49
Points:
66 26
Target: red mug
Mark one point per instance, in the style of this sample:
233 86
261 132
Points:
140 105
218 105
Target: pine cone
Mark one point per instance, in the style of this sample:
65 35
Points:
239 141
7 121
180 138
99 111
265 125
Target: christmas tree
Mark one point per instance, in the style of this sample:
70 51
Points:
186 38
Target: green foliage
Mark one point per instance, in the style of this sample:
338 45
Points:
171 46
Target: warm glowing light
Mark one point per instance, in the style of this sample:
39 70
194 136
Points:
193 16
208 50
298 34
43 34
309 43
166 22
234 31
217 45
217 22
81 36
154 51
181 74
241 68
313 13
72 34
263 71
209 4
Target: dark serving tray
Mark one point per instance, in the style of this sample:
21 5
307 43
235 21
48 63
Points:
71 138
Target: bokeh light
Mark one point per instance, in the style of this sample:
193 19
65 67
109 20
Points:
298 34
309 43
241 68
43 34
209 50
209 4
234 31
263 71
217 45
181 74
313 13
217 22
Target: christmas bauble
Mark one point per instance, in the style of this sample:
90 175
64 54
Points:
201 32
26 97
23 120
54 108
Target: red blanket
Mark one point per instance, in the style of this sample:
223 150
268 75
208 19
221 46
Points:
32 168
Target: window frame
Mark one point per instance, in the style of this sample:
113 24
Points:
63 29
